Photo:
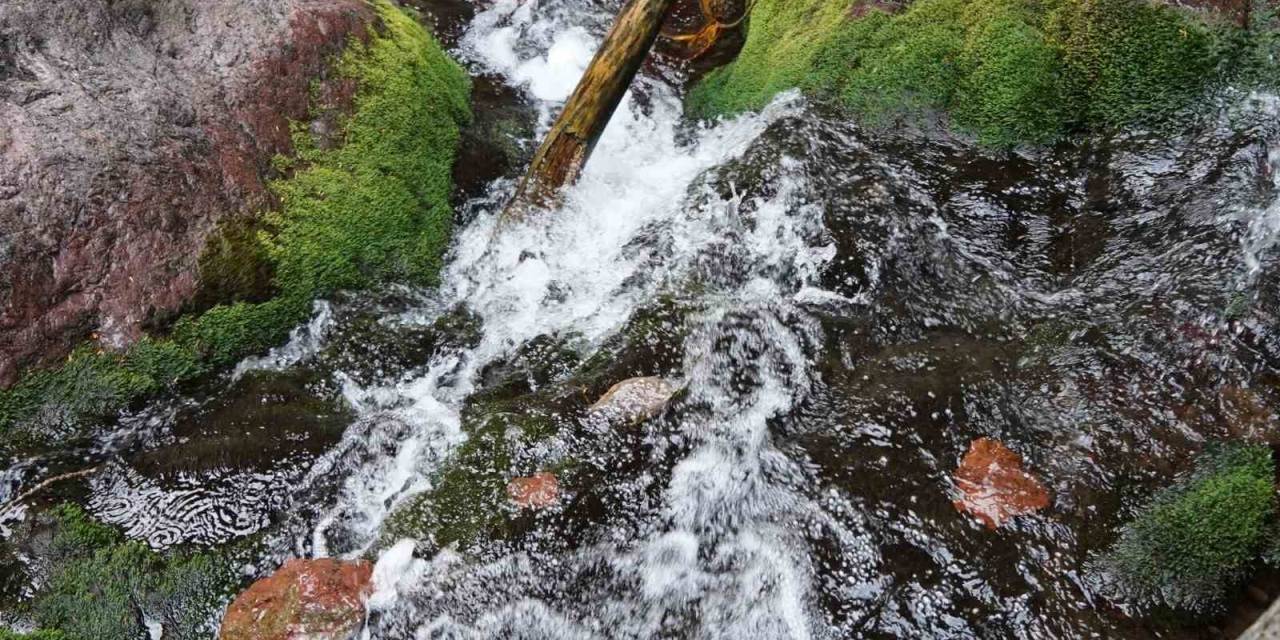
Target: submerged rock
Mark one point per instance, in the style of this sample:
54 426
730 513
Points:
535 492
634 400
321 599
993 485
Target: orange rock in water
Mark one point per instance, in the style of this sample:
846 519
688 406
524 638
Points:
321 599
993 485
535 492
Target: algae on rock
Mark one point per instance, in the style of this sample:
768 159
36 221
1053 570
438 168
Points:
100 585
1198 538
1007 71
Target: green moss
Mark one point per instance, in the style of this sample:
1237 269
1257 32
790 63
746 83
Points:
784 38
376 206
1130 61
234 267
95 383
468 501
1007 71
102 586
370 209
42 634
1197 539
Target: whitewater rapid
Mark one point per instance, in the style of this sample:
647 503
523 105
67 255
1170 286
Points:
638 224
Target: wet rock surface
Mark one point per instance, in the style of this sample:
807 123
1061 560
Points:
319 599
634 400
216 471
130 131
538 491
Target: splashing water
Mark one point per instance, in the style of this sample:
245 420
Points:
1263 232
627 233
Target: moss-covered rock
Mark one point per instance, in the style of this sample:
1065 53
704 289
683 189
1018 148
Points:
100 585
1198 538
370 208
1007 71
468 501
40 634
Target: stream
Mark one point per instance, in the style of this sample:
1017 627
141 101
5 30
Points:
844 310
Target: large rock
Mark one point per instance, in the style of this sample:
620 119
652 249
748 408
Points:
129 130
322 599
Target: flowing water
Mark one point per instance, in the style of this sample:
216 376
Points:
845 310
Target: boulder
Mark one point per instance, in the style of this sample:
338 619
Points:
634 400
320 599
131 132
994 487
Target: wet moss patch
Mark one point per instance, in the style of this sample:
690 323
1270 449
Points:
525 403
371 209
1007 71
468 502
41 634
1198 538
100 585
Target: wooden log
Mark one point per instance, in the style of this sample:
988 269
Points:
564 152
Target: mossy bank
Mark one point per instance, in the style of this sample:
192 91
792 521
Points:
94 584
1006 71
1197 539
363 200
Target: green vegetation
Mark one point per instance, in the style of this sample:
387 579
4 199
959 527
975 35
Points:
41 634
372 208
520 406
1008 71
469 499
102 586
1198 538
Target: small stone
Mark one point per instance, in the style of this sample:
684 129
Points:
535 492
993 486
634 400
320 599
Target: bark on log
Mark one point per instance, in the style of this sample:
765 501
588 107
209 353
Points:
565 150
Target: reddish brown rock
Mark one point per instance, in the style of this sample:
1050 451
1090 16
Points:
322 599
634 399
993 486
130 130
535 492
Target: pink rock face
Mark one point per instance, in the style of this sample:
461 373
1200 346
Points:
536 492
129 132
322 599
993 485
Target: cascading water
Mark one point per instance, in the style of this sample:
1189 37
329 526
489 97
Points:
627 233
